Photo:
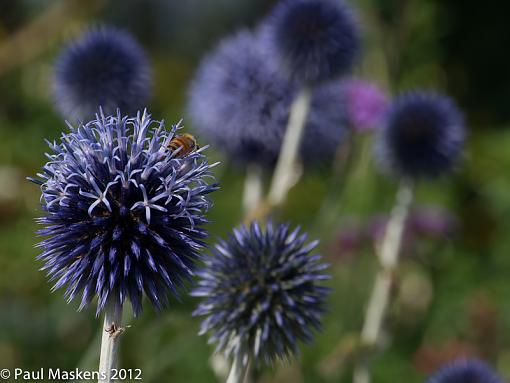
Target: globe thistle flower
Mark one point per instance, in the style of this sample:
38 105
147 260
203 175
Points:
365 103
314 40
105 67
465 371
423 135
240 102
262 292
123 211
325 128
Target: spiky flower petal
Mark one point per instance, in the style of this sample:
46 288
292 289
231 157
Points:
465 371
314 40
123 211
262 292
105 67
423 135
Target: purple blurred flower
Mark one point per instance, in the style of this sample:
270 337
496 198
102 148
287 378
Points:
433 222
424 222
366 104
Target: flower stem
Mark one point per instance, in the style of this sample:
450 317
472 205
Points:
239 371
109 358
282 178
253 188
380 298
345 159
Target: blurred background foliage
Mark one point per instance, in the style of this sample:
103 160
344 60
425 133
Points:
452 294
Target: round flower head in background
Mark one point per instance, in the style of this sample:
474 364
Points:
105 67
465 371
124 209
366 104
326 125
262 292
423 135
314 40
240 102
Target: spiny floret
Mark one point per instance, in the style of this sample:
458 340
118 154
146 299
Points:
314 40
423 135
105 67
465 371
123 211
262 292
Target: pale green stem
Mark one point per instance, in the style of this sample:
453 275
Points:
253 188
240 371
112 330
380 298
344 161
283 178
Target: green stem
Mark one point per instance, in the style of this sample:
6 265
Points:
380 297
239 370
285 167
112 330
253 188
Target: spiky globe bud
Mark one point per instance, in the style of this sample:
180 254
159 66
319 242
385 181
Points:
105 67
124 211
465 371
262 292
423 135
314 40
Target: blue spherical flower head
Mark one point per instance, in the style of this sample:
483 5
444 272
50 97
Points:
262 292
325 128
105 67
124 211
465 371
314 40
423 135
240 102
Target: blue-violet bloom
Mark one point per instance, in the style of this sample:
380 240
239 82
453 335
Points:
240 102
423 135
366 104
314 40
262 292
105 67
465 371
123 211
